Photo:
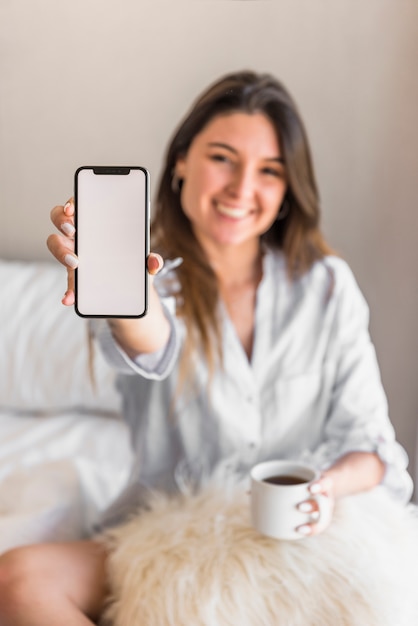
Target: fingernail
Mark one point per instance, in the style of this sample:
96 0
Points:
71 261
66 207
304 530
68 229
305 507
315 488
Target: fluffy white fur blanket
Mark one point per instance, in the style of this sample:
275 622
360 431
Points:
196 561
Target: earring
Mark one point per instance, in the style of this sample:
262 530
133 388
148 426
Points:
283 210
175 183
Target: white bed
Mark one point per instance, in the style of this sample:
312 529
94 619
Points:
64 450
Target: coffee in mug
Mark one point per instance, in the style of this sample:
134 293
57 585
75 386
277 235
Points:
285 479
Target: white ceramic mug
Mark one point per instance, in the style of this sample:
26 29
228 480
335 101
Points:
274 509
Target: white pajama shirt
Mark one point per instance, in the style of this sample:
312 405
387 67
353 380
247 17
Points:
311 392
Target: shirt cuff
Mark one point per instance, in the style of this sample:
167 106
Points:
154 366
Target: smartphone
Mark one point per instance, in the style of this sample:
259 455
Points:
111 241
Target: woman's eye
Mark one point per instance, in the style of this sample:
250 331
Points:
221 158
271 171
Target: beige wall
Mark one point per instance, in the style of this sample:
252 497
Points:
99 81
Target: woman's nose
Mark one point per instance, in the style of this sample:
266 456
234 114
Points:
242 184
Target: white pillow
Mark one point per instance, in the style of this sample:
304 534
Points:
44 345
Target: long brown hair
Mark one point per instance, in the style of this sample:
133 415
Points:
297 234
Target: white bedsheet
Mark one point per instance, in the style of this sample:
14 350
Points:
57 473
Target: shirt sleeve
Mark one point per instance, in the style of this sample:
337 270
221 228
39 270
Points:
358 416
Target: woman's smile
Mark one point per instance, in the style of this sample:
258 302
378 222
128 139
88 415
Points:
233 212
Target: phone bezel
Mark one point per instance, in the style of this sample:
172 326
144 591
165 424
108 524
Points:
121 171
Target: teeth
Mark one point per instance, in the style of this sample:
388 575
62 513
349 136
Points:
236 213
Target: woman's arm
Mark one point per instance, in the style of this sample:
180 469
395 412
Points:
359 450
352 473
144 335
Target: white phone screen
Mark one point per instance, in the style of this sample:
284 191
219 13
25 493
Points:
111 218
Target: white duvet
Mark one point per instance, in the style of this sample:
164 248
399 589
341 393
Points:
64 452
57 473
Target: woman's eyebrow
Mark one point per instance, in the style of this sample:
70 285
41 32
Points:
275 159
225 146
219 144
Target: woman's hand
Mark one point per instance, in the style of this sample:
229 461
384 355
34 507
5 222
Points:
135 336
321 507
62 247
352 473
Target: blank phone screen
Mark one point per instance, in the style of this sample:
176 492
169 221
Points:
111 221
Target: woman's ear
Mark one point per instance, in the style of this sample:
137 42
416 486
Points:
180 167
178 174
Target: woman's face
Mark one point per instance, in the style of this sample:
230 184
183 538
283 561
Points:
233 179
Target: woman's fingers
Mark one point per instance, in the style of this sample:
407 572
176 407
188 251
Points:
63 218
311 508
155 263
322 488
319 519
69 296
62 246
324 485
62 249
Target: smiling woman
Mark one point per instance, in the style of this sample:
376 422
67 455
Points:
255 347
232 193
239 161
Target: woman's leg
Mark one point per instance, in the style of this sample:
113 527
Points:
51 584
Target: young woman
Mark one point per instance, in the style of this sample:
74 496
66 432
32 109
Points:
255 347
